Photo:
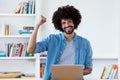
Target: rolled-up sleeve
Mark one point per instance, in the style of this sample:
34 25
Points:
42 46
88 60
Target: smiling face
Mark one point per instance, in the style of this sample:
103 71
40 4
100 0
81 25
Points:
67 26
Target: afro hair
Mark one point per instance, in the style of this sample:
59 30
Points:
66 12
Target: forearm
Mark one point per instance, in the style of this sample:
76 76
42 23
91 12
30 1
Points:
87 71
32 40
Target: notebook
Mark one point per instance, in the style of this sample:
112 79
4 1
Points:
67 72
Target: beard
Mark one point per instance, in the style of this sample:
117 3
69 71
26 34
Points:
68 30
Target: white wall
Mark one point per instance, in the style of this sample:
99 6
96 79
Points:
100 23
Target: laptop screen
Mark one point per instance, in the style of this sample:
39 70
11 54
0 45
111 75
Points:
67 72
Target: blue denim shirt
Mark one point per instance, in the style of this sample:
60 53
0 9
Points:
54 44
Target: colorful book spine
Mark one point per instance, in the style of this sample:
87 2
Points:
25 7
7 29
2 54
17 49
110 72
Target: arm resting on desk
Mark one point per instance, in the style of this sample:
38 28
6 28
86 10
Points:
87 71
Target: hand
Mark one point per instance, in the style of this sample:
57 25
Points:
42 20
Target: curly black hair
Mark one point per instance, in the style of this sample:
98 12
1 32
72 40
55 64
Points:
66 12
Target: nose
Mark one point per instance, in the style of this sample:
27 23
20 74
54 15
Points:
67 24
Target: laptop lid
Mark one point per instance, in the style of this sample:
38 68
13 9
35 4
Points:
67 72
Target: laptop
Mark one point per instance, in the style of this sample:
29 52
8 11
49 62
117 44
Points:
67 72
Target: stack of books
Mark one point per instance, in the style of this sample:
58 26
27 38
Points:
110 72
10 74
4 75
26 30
2 54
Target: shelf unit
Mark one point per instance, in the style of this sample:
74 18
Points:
17 21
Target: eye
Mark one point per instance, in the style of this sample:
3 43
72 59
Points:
70 21
63 22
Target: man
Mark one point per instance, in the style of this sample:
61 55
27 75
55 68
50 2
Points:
66 47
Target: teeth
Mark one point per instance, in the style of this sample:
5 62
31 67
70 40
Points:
68 28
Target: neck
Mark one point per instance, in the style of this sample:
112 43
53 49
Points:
69 37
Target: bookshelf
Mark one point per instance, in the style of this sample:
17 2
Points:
23 64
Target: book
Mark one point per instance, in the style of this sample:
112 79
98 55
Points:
18 8
28 28
22 7
7 29
104 72
108 71
114 71
2 54
20 49
30 6
25 31
42 67
25 8
12 50
33 7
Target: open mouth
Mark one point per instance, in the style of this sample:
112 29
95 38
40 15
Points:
68 30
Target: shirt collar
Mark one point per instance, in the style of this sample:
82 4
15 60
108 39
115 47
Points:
63 37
